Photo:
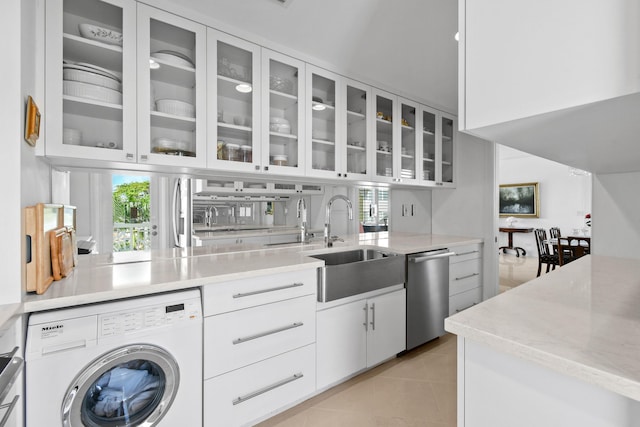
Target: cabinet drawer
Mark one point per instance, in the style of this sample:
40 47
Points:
247 394
464 300
239 294
466 252
242 337
464 276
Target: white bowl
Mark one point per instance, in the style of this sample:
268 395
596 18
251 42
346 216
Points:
101 34
71 136
174 58
279 120
86 90
280 128
91 78
175 107
171 144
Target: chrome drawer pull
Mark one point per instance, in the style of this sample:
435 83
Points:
10 407
467 253
264 334
266 389
458 310
262 291
467 276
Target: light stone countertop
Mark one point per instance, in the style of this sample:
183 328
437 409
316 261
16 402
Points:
582 320
106 277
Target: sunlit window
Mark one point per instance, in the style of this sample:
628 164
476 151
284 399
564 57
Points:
131 213
373 208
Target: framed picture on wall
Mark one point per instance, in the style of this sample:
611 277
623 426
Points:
519 200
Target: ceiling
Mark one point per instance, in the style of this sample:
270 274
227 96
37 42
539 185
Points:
404 46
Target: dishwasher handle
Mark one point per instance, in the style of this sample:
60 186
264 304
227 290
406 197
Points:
430 257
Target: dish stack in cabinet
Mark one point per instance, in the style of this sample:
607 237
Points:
90 79
171 89
385 136
447 176
428 134
234 87
283 90
408 156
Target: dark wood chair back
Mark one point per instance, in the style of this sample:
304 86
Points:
554 233
541 242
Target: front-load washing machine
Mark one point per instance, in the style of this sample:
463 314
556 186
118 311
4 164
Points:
134 362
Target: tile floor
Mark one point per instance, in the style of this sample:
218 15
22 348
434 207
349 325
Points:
415 389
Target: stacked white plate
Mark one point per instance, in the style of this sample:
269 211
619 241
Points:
174 58
175 107
90 81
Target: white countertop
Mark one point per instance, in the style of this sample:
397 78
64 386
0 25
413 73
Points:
106 277
582 320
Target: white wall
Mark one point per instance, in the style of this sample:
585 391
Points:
564 199
416 217
468 210
616 215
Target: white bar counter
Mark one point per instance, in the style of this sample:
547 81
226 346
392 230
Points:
563 349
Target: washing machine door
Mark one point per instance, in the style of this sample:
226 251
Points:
132 385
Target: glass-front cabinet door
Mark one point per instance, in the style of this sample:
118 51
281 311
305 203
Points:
283 97
322 123
428 146
408 157
355 158
171 89
234 109
90 79
385 135
448 151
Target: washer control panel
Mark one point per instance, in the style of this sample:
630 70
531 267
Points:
146 318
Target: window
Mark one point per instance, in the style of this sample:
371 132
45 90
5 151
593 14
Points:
373 207
131 214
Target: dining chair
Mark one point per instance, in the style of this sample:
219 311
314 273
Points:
555 236
544 255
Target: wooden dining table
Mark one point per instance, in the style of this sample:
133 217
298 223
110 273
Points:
578 245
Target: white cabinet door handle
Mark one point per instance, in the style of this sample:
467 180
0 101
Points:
267 388
266 333
467 276
262 291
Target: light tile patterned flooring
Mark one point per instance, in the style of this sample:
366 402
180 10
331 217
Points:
415 389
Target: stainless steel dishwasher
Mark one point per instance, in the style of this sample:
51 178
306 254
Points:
427 295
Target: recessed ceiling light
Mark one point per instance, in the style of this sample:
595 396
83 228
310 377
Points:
284 3
318 107
457 36
153 64
244 88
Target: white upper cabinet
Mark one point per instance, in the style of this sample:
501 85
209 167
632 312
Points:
437 146
90 79
355 154
283 118
407 159
234 103
323 100
387 141
171 89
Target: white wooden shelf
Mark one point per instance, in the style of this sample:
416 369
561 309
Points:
426 159
356 148
428 132
384 122
408 128
383 153
173 74
234 131
171 121
353 117
91 108
227 89
93 52
281 100
283 135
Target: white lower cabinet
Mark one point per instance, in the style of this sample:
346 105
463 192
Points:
256 391
465 278
259 346
359 334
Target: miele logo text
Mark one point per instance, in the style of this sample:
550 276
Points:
52 328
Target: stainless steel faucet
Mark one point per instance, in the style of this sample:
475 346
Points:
328 240
209 218
302 214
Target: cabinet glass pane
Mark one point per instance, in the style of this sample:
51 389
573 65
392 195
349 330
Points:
408 142
172 67
384 136
283 114
447 150
323 117
356 130
235 103
92 75
428 146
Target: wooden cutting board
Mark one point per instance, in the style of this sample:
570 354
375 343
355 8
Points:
61 243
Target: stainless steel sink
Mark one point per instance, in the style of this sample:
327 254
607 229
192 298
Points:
358 271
